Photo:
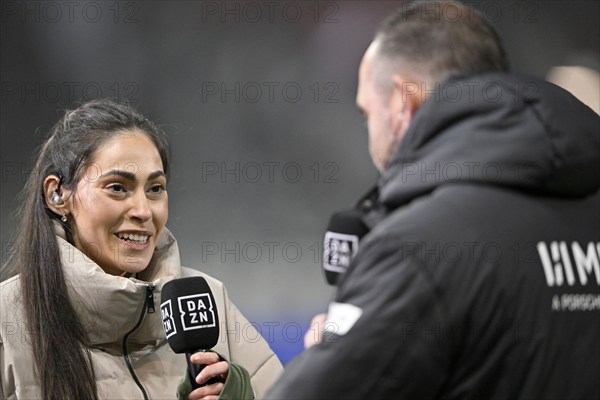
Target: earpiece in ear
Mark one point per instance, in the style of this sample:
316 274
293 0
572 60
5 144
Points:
57 199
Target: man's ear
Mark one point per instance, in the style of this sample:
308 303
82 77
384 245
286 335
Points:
405 100
57 199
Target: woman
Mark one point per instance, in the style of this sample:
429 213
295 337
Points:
92 256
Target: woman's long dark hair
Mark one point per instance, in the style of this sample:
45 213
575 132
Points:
58 339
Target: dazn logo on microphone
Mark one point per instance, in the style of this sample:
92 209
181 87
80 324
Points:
166 312
196 312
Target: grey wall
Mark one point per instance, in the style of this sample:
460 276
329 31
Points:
258 100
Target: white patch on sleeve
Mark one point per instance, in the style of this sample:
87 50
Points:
341 317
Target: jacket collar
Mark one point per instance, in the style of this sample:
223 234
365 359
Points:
110 306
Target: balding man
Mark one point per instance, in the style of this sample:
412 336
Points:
480 276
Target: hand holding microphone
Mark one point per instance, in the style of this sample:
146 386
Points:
314 334
213 373
344 232
191 325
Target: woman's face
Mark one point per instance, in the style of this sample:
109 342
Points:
120 206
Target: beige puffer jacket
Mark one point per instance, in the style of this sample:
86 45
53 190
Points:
109 308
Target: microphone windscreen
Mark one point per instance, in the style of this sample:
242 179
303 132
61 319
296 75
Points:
343 235
189 315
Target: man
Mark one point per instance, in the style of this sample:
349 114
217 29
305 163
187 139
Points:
480 276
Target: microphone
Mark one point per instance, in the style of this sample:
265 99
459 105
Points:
190 320
343 235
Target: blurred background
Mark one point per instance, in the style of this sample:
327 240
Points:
257 98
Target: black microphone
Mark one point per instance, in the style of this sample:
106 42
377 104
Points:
343 235
190 319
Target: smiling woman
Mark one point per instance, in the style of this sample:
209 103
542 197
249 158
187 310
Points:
93 252
118 215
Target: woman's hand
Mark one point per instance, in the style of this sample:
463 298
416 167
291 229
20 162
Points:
214 368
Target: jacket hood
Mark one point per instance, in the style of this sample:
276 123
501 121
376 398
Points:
497 129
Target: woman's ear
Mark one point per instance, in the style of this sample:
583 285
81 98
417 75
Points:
56 198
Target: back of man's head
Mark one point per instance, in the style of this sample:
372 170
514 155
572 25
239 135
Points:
436 40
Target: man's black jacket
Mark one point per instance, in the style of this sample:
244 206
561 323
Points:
481 276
